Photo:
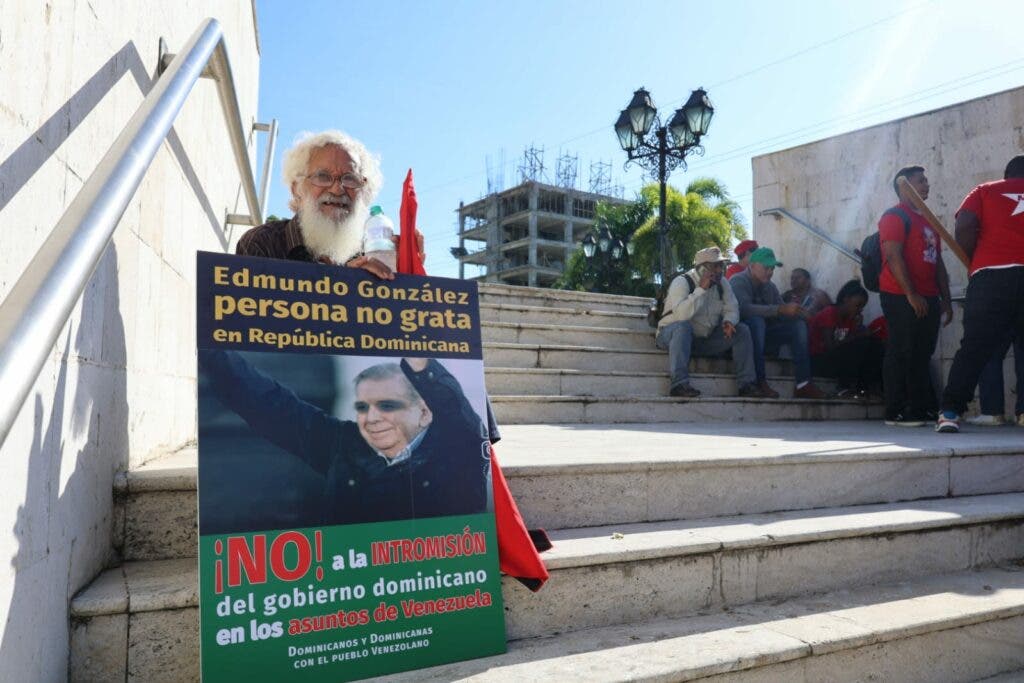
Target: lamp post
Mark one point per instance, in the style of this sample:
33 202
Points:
665 148
604 251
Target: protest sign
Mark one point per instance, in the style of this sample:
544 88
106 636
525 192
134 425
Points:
345 509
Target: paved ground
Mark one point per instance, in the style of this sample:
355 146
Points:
553 445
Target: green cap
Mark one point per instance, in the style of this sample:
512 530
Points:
376 210
764 256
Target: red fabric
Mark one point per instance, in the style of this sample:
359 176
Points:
408 250
999 207
734 268
921 251
828 323
879 327
517 553
517 549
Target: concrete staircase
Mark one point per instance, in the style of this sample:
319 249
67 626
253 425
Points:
573 357
692 549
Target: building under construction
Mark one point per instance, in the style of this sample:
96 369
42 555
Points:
524 235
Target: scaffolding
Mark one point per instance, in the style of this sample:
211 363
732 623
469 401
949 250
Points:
600 177
532 165
566 169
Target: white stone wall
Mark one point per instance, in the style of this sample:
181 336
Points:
842 185
119 386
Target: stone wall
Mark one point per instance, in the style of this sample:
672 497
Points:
119 385
841 185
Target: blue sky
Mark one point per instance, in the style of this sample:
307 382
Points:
440 86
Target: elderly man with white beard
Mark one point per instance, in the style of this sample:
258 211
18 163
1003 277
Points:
333 179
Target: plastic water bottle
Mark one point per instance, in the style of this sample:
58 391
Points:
377 234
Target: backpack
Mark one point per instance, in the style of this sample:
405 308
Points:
870 251
657 310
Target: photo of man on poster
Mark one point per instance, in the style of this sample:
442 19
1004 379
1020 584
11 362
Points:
415 448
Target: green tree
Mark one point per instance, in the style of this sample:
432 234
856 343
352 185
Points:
601 273
703 216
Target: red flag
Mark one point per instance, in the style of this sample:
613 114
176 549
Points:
408 250
517 547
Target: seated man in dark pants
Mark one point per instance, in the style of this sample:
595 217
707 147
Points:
701 318
417 448
773 323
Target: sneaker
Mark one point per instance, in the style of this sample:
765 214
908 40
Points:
948 422
987 420
750 391
846 394
767 391
809 390
902 420
684 390
1020 420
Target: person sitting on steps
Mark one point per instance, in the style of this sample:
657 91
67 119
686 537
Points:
701 318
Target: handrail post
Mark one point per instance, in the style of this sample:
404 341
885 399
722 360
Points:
232 112
268 160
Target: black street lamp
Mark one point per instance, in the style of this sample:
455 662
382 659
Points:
606 253
665 148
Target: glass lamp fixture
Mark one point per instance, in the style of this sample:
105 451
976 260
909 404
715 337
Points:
641 111
698 112
628 140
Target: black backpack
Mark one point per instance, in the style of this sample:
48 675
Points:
870 251
657 309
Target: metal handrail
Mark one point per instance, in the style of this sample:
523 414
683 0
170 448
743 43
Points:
42 299
778 211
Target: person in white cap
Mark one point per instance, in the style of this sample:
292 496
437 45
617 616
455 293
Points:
702 318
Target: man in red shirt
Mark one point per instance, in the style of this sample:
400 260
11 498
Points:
990 228
913 289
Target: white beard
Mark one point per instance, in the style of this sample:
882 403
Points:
340 238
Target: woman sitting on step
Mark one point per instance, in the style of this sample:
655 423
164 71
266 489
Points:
843 348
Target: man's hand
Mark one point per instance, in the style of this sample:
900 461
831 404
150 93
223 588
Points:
792 310
918 303
707 278
947 312
419 245
373 266
728 329
417 364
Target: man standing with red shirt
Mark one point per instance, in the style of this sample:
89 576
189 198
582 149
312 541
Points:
914 288
990 228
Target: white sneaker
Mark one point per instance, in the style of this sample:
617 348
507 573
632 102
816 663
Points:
987 420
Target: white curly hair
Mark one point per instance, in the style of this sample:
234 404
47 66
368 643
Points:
363 161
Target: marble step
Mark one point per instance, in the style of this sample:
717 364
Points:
607 576
583 475
600 358
953 628
491 293
573 334
561 382
526 409
573 314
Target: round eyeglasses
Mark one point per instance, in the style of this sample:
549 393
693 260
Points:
349 181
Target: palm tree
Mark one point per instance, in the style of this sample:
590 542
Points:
701 217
